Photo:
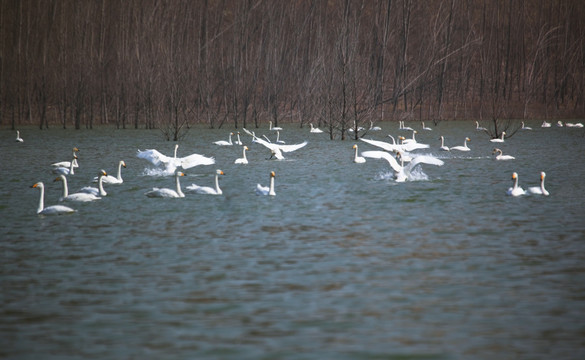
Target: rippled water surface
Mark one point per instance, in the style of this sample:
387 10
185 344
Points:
343 263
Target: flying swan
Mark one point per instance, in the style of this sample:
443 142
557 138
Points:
402 173
172 163
206 189
515 190
49 210
539 190
276 150
80 196
168 193
265 190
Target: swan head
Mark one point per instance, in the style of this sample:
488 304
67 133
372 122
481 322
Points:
542 175
123 163
219 172
39 185
401 138
179 173
514 176
75 149
468 139
272 174
354 146
103 173
246 148
496 150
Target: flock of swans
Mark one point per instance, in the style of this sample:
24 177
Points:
400 155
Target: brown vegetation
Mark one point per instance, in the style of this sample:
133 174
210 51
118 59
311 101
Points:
338 64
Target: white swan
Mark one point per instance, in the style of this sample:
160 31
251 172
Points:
238 142
374 128
525 127
413 140
225 143
357 159
49 210
464 147
99 191
443 147
243 159
479 128
574 125
80 196
267 190
278 141
206 189
545 124
172 163
66 171
425 127
315 130
500 155
18 138
539 190
168 193
275 127
500 139
395 147
66 164
402 172
276 150
109 179
559 123
515 190
402 127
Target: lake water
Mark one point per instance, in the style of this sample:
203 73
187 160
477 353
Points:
343 263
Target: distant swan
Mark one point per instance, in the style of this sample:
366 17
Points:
238 142
545 124
80 196
278 141
168 193
50 210
243 159
275 127
402 172
402 127
206 189
109 179
443 147
315 130
374 128
66 164
464 147
99 191
18 138
559 123
500 155
267 190
539 190
172 163
575 125
357 159
479 128
515 190
225 143
425 127
525 127
500 139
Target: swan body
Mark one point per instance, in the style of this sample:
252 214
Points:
515 190
500 155
443 147
545 124
80 196
500 139
109 179
539 190
358 159
18 138
479 128
374 128
99 191
238 142
172 163
402 172
525 127
315 130
225 143
277 149
275 127
49 210
168 193
66 164
426 127
464 147
208 190
243 159
66 171
267 190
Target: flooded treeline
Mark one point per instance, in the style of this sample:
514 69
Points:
239 63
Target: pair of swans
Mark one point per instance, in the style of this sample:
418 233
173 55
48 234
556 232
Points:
464 147
172 163
501 156
206 190
66 170
402 172
267 190
402 127
315 130
516 190
500 139
18 138
85 194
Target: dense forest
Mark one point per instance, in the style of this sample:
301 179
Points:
240 63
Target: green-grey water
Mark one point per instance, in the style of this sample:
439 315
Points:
343 263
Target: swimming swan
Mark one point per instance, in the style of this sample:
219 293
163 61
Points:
225 143
358 159
66 164
80 196
315 130
500 139
464 147
479 128
374 128
18 138
206 189
243 159
443 147
545 124
515 190
238 142
172 163
500 156
99 191
109 179
402 172
66 171
525 127
50 210
265 190
274 128
539 190
425 127
168 193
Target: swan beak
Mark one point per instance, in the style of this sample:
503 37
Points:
124 164
272 174
354 146
57 179
34 185
514 176
75 149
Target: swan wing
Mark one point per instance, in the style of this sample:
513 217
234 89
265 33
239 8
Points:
262 190
424 159
411 146
201 189
195 160
154 157
56 210
292 147
164 193
82 197
382 145
376 154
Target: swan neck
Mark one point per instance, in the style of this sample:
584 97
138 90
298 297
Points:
244 153
65 187
217 189
178 184
120 171
101 186
41 199
271 191
71 167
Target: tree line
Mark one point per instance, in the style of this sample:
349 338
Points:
339 64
